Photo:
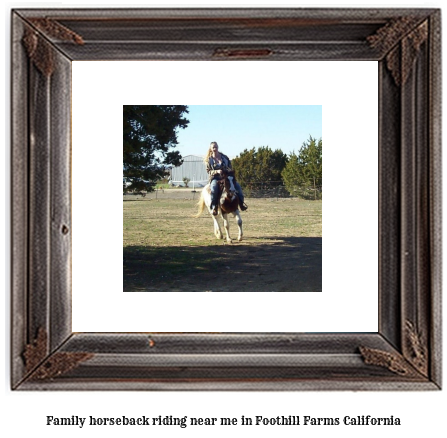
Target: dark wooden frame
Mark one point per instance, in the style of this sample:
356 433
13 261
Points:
405 354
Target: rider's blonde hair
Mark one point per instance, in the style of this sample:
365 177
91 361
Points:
210 151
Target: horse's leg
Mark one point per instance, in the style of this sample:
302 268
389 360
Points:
237 215
217 230
227 227
206 193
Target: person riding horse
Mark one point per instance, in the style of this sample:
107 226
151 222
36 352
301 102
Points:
216 164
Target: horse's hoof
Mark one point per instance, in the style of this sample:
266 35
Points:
239 239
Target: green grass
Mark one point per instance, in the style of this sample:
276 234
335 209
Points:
170 222
163 243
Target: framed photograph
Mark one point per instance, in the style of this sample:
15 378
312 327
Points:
164 247
187 248
404 353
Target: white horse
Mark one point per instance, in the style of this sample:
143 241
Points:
228 204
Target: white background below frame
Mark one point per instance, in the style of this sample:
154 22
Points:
348 92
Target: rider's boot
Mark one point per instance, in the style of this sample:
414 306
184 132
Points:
242 205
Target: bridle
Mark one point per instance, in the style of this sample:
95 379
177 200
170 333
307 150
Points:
227 185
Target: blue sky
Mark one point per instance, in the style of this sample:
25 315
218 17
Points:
239 127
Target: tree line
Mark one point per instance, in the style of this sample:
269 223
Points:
150 138
300 173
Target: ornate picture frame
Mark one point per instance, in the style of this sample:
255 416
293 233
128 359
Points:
405 353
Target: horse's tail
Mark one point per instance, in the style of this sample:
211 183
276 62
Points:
200 205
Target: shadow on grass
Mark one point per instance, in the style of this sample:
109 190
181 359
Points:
283 264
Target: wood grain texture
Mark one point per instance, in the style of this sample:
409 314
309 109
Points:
19 202
405 354
60 202
435 194
39 144
390 207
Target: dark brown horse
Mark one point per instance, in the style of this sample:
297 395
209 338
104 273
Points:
228 204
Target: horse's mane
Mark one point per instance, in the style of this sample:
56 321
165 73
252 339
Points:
229 172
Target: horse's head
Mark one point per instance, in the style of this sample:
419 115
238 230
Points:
229 181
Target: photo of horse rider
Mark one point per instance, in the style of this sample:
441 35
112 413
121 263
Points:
217 163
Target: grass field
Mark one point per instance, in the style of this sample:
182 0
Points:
165 248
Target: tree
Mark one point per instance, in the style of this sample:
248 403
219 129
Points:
303 174
259 168
149 134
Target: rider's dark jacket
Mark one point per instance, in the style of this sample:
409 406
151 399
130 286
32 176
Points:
212 167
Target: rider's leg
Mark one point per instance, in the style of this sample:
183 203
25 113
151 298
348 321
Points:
214 186
242 205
